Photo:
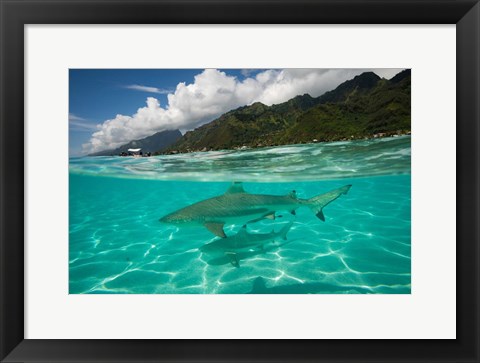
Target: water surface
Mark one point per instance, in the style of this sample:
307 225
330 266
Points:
118 245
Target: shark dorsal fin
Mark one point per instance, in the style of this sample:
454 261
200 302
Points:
259 286
236 187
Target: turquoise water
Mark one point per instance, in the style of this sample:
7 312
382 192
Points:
118 245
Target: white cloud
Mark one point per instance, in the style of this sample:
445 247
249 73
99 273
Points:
141 88
247 72
211 94
78 123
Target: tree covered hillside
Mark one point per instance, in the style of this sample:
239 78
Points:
361 107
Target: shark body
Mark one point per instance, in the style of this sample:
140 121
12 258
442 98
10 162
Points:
243 244
239 207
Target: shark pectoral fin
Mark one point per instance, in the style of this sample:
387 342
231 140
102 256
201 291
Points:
243 230
216 229
293 212
321 216
233 259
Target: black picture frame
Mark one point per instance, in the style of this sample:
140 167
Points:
15 14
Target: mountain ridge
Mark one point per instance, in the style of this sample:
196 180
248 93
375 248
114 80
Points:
364 106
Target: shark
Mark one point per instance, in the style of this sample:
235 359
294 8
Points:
243 244
238 207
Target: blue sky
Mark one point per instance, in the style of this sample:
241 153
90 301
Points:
110 107
96 95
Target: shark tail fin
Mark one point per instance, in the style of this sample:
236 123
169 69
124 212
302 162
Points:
317 203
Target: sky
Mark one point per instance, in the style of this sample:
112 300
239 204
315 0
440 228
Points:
110 107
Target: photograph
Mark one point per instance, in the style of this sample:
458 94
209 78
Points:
239 181
167 163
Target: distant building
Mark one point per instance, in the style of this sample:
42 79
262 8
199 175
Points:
135 152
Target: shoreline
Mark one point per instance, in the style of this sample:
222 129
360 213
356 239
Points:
380 135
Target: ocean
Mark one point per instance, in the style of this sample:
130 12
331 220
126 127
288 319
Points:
117 245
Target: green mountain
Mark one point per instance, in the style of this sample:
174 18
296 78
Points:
156 142
361 107
383 108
